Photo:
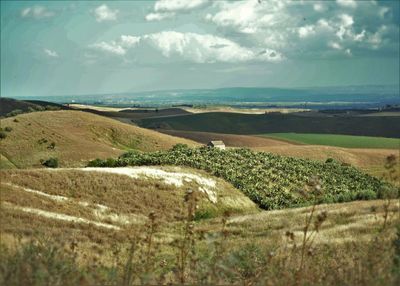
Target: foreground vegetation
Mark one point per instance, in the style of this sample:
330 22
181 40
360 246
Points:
347 141
347 244
271 181
158 237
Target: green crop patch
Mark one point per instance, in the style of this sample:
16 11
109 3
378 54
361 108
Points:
271 181
347 141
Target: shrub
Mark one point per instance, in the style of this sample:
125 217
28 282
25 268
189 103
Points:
50 163
52 107
14 113
95 163
8 129
204 214
329 160
3 135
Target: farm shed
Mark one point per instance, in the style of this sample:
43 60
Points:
217 144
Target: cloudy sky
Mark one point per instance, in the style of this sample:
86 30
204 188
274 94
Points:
66 48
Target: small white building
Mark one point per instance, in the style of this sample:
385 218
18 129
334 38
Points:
217 144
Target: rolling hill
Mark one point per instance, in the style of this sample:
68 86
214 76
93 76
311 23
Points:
77 137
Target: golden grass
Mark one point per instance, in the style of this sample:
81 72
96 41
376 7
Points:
78 137
79 193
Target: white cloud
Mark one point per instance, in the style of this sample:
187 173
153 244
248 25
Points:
104 13
198 48
346 19
252 16
347 3
335 45
112 48
36 12
359 37
319 7
50 53
243 16
306 31
129 41
207 48
166 9
178 5
158 16
376 39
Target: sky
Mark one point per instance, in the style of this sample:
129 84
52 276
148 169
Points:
96 47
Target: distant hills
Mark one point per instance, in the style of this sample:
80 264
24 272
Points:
315 98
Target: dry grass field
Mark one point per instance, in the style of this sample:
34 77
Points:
77 136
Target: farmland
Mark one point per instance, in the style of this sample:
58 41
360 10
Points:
346 141
271 181
313 122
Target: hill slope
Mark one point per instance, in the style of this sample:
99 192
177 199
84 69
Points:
78 137
118 196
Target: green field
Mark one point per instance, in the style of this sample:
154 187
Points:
347 141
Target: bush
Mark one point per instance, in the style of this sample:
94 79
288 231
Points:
14 113
3 135
52 107
50 163
95 163
8 129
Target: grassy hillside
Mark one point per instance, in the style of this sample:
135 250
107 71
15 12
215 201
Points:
271 181
118 197
346 141
77 137
234 123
